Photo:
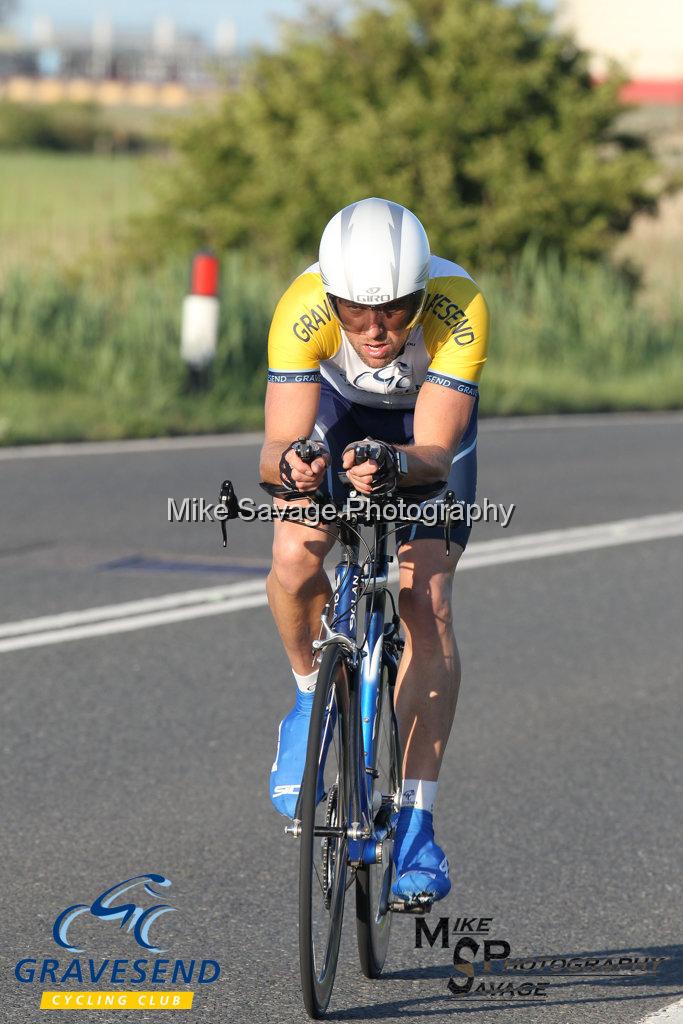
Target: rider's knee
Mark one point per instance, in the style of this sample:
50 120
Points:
426 608
296 562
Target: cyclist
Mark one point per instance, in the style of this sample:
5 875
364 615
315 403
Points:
379 339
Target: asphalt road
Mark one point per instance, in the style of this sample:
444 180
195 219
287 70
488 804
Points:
150 750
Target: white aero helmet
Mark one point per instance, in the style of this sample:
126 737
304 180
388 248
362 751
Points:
375 251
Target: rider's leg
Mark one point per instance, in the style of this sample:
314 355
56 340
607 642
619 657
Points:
429 673
426 696
298 588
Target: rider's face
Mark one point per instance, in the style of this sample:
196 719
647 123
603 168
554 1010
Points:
377 333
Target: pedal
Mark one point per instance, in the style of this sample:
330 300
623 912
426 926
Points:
420 905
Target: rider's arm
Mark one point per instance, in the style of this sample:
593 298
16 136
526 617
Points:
456 328
302 333
290 413
441 417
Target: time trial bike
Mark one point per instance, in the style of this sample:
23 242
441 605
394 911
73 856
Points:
349 797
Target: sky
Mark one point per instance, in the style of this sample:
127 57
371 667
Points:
255 20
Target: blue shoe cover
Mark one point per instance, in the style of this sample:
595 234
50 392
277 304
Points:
290 758
421 865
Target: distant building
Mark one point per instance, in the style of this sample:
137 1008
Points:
103 63
644 36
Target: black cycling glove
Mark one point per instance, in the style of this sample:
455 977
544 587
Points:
386 476
308 451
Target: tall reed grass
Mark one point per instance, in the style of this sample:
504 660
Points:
84 358
569 338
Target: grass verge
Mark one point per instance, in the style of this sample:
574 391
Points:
64 208
98 358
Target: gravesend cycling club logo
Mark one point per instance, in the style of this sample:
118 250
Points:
138 919
136 907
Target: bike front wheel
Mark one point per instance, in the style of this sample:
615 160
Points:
324 810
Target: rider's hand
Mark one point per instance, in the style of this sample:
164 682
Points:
307 476
360 477
378 476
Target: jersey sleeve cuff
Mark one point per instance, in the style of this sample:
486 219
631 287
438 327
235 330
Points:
293 376
465 387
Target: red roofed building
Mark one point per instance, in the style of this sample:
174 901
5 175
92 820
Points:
644 36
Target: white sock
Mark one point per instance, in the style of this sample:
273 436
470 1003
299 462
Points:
419 793
306 684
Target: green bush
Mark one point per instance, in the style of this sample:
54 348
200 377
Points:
65 127
473 113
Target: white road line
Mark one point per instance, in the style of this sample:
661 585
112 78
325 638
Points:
195 604
146 444
672 1014
109 626
200 441
564 542
595 419
128 608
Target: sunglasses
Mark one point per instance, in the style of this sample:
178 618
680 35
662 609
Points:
396 315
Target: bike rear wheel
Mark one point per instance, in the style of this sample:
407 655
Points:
373 882
324 809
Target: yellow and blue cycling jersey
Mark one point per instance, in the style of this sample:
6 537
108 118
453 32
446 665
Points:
447 346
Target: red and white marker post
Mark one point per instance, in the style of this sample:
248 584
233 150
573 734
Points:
199 333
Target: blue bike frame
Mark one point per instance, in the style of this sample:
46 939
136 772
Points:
365 678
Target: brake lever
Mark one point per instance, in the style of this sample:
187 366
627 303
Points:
228 498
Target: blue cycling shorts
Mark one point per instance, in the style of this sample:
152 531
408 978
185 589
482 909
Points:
341 422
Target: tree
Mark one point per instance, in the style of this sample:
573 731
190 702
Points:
473 113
